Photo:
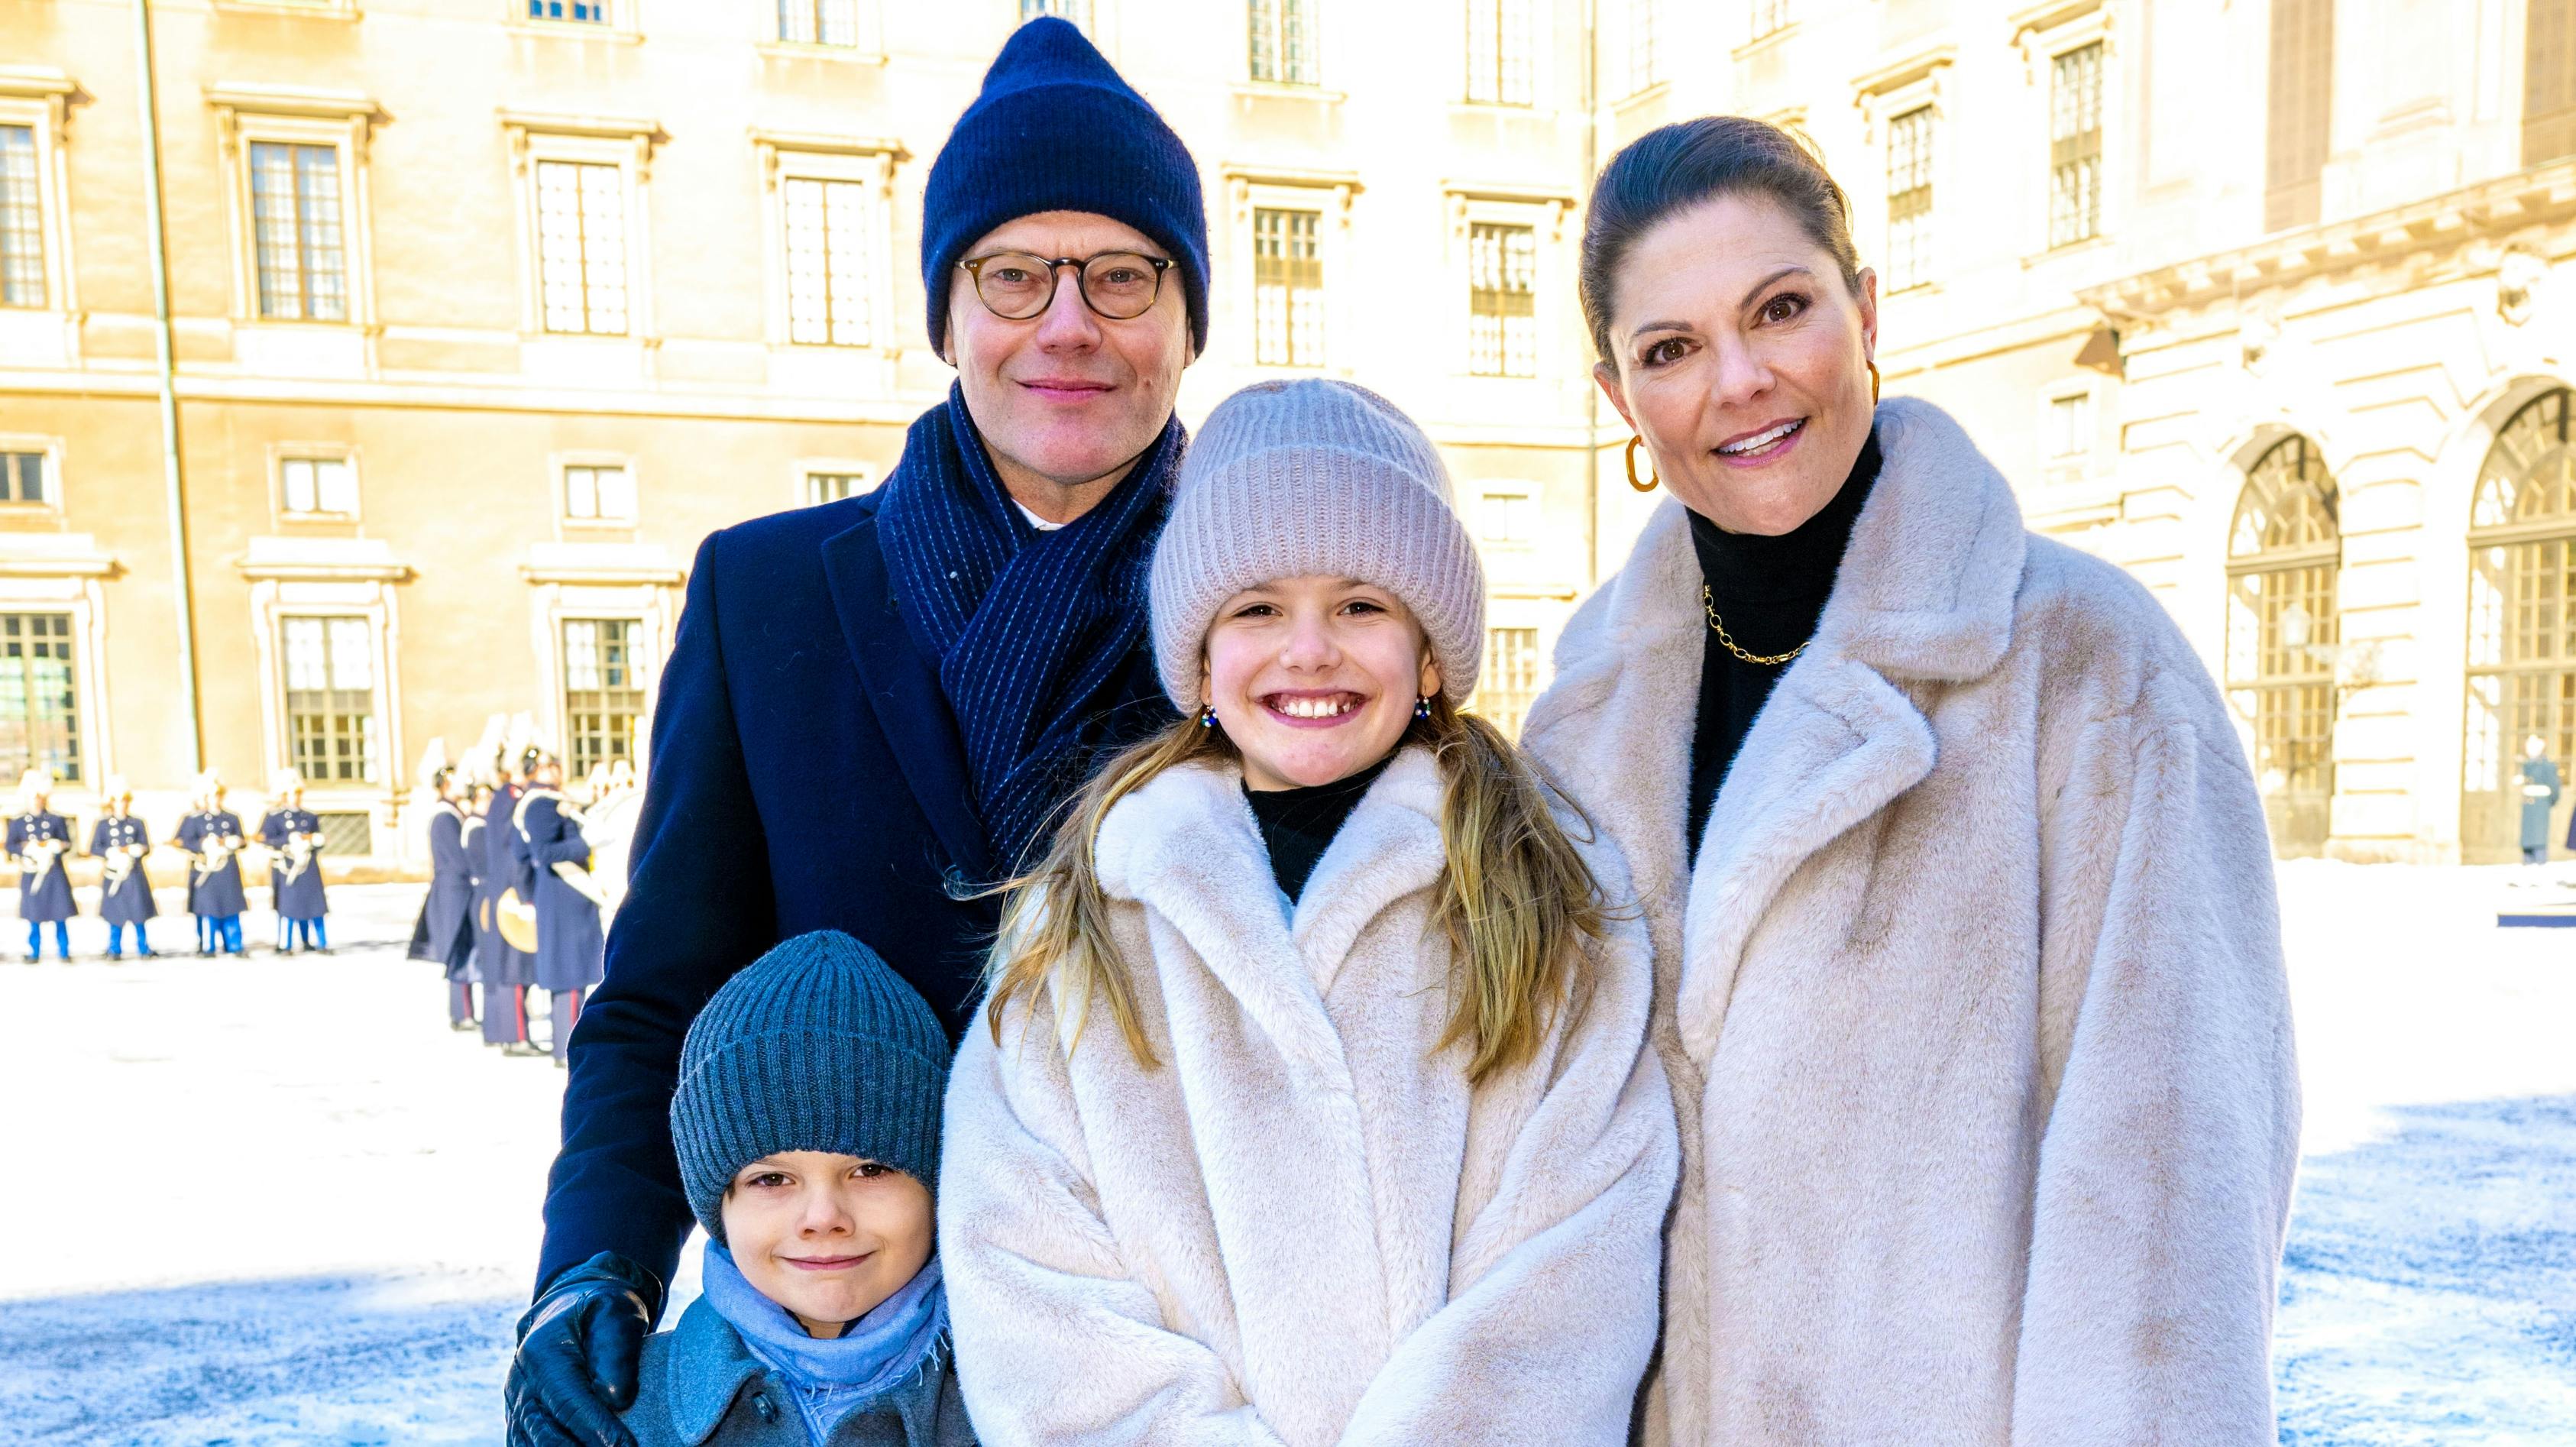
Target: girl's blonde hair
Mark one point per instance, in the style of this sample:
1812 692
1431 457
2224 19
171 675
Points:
1517 902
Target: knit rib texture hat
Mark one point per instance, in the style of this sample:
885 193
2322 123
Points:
1058 129
817 1045
1314 478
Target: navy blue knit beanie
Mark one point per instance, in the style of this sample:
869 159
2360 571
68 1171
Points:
1057 129
817 1045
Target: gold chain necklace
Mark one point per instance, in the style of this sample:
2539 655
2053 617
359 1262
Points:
1708 605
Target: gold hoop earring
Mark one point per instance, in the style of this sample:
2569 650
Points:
1873 380
1652 478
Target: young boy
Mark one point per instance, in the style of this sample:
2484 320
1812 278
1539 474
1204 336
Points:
807 1127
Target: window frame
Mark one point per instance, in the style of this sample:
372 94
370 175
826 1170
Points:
634 642
283 453
563 464
865 475
255 116
1488 675
1524 498
584 140
1503 367
865 161
1087 20
39 100
1925 174
1286 269
2081 463
83 772
378 761
52 449
620 23
1277 29
1471 14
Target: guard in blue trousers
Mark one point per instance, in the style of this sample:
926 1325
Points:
214 839
39 839
119 842
293 835
447 915
508 970
570 943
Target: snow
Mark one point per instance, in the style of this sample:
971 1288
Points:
277 1201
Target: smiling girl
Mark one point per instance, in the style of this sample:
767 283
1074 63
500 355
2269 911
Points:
1315 1105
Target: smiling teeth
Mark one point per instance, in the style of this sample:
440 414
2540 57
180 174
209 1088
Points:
1756 444
1315 707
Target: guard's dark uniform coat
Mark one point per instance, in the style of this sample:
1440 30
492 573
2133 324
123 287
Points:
449 909
215 893
569 944
502 870
807 774
44 890
126 901
298 891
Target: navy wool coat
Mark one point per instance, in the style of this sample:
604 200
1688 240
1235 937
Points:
806 773
44 889
299 894
214 893
126 901
503 871
568 940
447 914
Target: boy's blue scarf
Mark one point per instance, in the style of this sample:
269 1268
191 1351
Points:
874 1355
1032 632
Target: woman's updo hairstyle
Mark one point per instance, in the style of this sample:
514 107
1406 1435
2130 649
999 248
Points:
1673 168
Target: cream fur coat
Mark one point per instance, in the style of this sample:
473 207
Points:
1302 1228
1973 1006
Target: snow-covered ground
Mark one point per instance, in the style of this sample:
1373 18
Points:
278 1201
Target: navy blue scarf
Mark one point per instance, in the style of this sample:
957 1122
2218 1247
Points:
1037 635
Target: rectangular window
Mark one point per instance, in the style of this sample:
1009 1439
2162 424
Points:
581 246
2075 146
2070 426
1770 17
22 477
2302 106
603 697
1502 306
823 487
1283 42
1509 518
1287 288
1642 73
818 22
599 494
1498 52
295 228
827 274
1077 11
318 487
331 698
22 230
2548 81
347 834
39 714
1909 199
587 12
1509 684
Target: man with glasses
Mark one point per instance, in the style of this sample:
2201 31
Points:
875 706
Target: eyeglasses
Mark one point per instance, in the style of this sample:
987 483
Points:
1017 285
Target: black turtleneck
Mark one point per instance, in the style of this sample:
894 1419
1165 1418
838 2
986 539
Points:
1297 824
1769 591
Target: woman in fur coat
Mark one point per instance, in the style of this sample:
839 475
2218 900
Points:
1315 1105
1968 969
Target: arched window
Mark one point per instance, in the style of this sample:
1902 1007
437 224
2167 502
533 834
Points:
2284 550
2522 624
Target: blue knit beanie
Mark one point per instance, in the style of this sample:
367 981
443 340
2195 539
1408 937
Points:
817 1045
1057 129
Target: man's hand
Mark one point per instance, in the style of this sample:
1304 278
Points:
574 1370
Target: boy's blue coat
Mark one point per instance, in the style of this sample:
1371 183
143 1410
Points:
698 1384
806 774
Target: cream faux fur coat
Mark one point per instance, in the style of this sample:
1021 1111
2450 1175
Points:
1303 1228
1973 1006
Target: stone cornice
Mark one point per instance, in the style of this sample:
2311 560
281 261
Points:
2507 203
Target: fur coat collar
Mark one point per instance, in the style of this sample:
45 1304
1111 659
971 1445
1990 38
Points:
1302 1227
1919 995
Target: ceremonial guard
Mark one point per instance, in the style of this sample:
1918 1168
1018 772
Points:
214 838
293 835
570 944
119 842
448 914
507 968
38 840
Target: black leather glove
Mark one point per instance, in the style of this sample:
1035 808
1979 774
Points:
574 1370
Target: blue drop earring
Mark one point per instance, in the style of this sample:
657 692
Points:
1422 707
1207 717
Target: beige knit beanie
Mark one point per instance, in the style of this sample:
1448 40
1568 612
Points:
1314 478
